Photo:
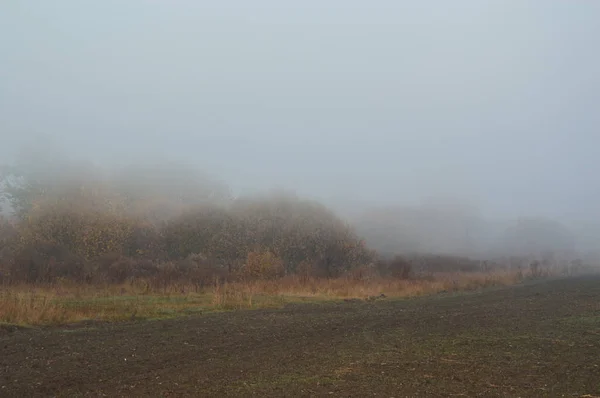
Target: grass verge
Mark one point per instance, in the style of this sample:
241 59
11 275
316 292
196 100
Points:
64 302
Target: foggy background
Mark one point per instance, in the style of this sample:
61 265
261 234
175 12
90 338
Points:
489 110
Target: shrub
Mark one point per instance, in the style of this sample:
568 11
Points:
208 229
8 238
145 241
305 270
200 271
262 265
400 268
89 234
302 230
46 261
364 272
114 267
87 230
395 267
292 229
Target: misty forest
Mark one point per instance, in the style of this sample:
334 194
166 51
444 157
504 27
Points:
392 198
68 219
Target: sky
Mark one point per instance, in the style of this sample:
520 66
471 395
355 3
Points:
388 101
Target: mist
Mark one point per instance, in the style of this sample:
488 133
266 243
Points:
487 110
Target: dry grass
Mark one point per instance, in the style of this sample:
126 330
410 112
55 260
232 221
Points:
66 302
341 288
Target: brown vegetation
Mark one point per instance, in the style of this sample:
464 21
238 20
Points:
65 301
164 223
249 239
83 238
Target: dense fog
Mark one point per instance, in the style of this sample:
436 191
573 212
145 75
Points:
465 128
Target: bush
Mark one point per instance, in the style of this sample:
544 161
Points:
262 265
90 233
114 268
301 230
396 267
364 272
8 238
305 270
292 229
46 261
400 268
145 241
208 229
200 271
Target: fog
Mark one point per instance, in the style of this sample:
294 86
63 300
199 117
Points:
382 106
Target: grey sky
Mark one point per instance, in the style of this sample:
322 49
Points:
493 101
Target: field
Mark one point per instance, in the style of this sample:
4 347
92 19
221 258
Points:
538 338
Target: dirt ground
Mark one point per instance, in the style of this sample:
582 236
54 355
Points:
536 340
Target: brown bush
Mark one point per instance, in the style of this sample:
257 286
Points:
301 230
305 270
8 238
400 268
396 267
117 268
145 241
89 234
208 229
46 261
262 265
167 274
363 273
200 271
88 231
292 229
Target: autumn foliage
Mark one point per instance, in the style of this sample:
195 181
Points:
100 232
168 224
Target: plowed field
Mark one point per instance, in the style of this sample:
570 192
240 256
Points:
536 340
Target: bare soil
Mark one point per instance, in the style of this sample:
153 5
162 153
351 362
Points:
535 340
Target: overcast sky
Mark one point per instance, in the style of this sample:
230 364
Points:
496 102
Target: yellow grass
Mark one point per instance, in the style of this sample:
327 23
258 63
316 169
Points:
66 302
349 288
